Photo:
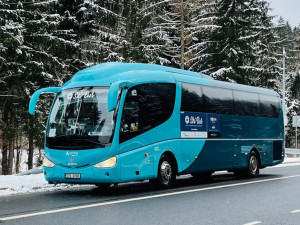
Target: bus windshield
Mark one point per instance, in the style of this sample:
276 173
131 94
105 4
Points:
80 120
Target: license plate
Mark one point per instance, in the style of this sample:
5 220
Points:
72 175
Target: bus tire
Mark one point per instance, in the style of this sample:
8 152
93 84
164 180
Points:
253 165
252 168
166 173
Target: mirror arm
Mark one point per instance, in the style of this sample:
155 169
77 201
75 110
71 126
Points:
36 95
112 99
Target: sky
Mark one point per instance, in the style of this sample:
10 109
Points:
288 9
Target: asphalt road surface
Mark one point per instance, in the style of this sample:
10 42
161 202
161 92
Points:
272 198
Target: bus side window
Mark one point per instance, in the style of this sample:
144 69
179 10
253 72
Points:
146 106
191 98
218 100
246 103
269 105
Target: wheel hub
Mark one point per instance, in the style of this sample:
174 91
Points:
166 171
253 164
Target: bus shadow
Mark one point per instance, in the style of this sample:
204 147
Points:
134 189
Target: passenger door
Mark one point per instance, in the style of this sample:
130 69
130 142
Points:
146 107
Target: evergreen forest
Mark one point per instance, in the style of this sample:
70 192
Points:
44 42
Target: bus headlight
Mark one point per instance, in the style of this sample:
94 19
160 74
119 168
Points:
48 163
107 163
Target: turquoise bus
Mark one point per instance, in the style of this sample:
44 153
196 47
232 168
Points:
121 122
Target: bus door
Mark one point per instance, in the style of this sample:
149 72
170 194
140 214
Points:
146 107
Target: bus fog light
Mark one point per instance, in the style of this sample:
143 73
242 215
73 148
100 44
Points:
48 163
107 163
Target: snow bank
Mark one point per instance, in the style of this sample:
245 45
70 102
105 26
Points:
13 184
289 162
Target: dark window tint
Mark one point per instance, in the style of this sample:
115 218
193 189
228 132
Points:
269 106
146 106
218 100
191 100
246 103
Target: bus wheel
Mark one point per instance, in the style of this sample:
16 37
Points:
166 175
253 165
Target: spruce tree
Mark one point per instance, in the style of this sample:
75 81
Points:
238 49
170 36
38 49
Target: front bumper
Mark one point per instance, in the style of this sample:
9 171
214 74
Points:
89 175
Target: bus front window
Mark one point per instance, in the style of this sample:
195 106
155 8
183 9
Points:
80 120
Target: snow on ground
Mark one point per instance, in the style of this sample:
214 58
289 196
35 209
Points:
289 162
14 184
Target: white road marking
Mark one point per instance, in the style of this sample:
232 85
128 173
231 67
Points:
253 223
296 211
141 198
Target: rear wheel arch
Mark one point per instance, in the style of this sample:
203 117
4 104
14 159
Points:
167 169
255 149
171 156
253 165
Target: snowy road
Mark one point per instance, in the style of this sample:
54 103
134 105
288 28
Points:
272 198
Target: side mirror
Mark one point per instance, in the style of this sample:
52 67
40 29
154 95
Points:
112 98
36 95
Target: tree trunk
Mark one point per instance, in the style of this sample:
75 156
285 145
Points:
11 143
127 10
4 159
11 156
182 41
18 158
4 146
30 147
40 158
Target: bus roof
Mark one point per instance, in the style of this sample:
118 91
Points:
105 74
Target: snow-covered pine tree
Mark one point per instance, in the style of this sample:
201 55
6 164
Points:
287 37
284 38
11 69
201 26
238 50
102 29
53 55
164 39
141 14
113 29
295 88
38 48
154 38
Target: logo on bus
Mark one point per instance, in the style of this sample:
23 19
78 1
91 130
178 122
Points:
71 159
73 154
199 120
213 119
187 119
